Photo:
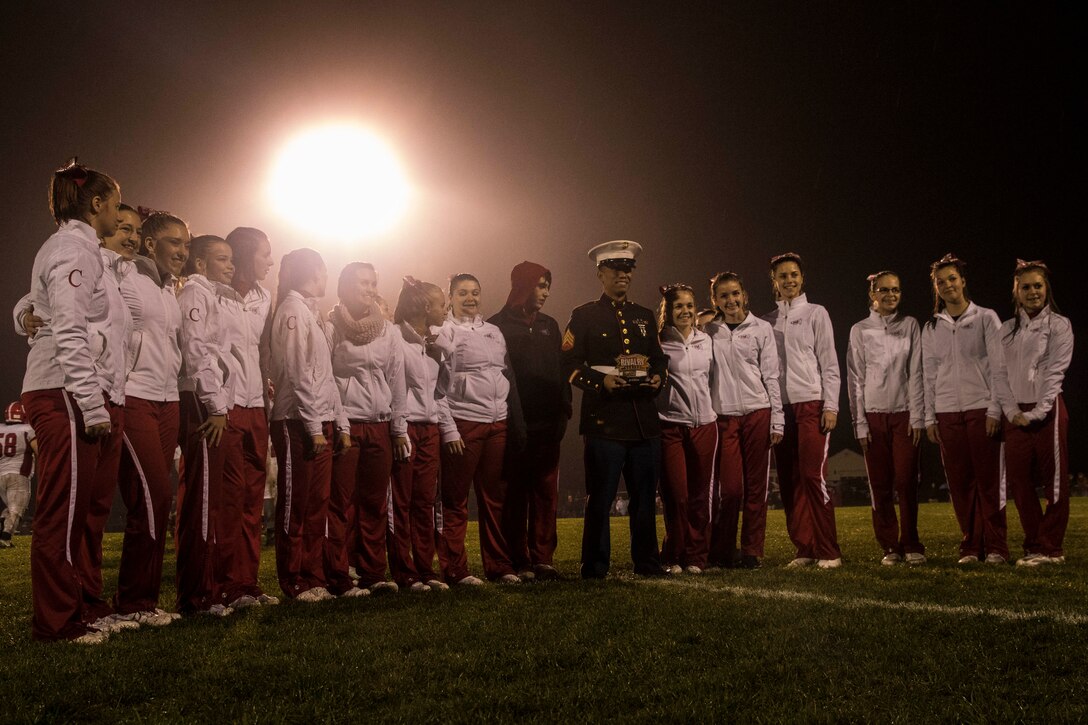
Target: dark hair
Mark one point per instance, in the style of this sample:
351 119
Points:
872 278
669 294
245 241
156 222
296 269
74 187
463 277
348 271
125 207
1022 268
198 249
413 299
722 278
948 260
787 257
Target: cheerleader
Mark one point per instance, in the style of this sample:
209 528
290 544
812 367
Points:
420 307
746 398
206 395
689 438
151 414
1038 347
809 382
963 369
63 394
475 381
306 414
884 385
368 364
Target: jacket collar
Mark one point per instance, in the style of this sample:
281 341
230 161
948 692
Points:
671 333
971 311
473 322
1042 317
81 229
796 303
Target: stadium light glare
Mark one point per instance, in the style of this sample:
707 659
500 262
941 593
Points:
339 182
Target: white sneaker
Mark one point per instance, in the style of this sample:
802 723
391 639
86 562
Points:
355 592
92 636
353 573
800 562
244 601
316 594
1056 559
1031 559
914 558
995 559
217 610
471 581
384 587
419 587
969 559
267 600
150 617
114 623
693 570
527 575
509 579
673 569
891 559
437 585
174 616
829 563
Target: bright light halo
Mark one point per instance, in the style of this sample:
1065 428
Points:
339 182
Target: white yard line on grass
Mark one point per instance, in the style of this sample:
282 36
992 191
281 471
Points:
1009 615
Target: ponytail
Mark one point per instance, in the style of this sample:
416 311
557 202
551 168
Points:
73 189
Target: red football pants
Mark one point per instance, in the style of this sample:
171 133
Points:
302 505
891 463
687 467
801 461
89 561
480 463
415 485
1038 455
972 465
532 494
743 467
147 457
238 535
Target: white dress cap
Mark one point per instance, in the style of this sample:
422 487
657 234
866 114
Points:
618 249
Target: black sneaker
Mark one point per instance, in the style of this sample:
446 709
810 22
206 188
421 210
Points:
750 562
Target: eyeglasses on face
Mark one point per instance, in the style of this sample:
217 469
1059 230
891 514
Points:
887 290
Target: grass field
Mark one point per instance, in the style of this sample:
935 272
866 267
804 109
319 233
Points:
865 642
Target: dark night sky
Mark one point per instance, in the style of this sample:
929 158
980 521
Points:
862 135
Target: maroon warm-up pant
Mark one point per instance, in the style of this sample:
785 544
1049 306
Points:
200 494
67 465
480 463
801 460
972 465
415 483
89 561
891 462
303 484
743 467
147 456
687 468
532 494
238 536
366 526
341 533
1037 455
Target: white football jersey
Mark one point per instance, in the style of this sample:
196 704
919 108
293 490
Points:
15 453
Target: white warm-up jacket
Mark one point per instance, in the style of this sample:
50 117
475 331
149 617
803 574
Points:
246 317
68 293
111 338
420 376
156 333
884 369
686 397
472 377
744 375
963 364
207 364
808 365
301 367
370 378
1036 359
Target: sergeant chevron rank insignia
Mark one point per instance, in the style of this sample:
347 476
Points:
568 340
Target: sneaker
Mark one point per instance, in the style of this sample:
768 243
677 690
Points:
1030 559
470 581
244 601
217 610
891 559
995 559
267 600
829 563
693 570
353 573
509 579
150 617
800 562
91 636
749 562
437 585
673 569
384 587
114 623
527 575
355 592
315 594
419 587
174 616
914 558
546 573
1060 559
969 559
5 540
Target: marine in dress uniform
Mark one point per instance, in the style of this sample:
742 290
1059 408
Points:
619 420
